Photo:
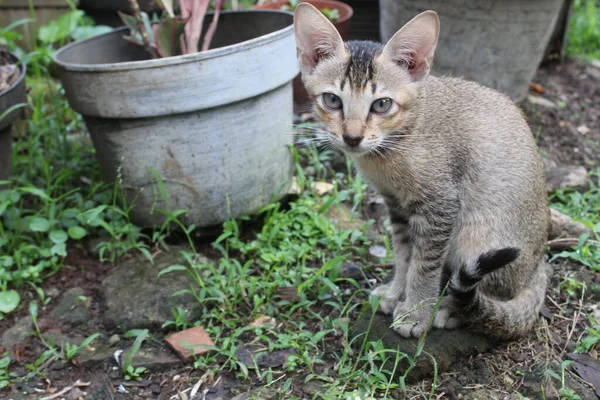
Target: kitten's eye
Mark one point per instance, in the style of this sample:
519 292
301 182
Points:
332 101
381 106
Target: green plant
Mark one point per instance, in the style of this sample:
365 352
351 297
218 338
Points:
71 350
128 369
331 14
584 31
172 35
5 375
585 208
564 391
592 337
572 286
180 320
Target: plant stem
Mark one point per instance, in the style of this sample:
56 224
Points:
135 7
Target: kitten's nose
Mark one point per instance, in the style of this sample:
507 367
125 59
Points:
352 140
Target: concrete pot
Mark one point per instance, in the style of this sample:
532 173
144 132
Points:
499 44
215 126
342 24
12 96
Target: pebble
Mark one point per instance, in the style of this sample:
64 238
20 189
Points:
114 339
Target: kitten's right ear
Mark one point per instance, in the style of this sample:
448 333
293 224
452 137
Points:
316 37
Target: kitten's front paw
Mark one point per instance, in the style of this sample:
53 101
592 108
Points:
411 321
387 303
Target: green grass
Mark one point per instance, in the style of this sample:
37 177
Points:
584 32
583 207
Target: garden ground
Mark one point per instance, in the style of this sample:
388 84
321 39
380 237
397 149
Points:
296 317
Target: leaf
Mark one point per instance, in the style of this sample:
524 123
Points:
171 269
59 249
168 33
39 224
33 311
36 192
89 340
141 335
9 301
58 236
167 5
77 232
60 28
84 32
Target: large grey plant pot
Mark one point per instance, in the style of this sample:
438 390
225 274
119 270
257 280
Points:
12 96
499 44
215 126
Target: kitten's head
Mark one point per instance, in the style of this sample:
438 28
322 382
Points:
364 92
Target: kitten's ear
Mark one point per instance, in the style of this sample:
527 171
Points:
316 37
412 47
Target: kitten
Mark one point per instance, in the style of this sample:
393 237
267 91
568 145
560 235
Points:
457 166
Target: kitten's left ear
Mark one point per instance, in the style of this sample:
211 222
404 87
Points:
412 47
316 37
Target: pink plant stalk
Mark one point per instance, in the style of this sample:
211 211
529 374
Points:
193 11
213 26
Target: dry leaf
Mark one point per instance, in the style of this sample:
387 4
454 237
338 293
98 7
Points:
264 320
536 87
584 130
295 188
322 188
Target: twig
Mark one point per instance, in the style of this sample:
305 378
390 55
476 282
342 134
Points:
575 320
135 7
66 390
565 243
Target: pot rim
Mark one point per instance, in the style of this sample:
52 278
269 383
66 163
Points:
23 67
173 60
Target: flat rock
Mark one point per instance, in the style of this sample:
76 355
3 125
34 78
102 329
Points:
563 226
540 101
101 353
73 307
566 177
17 333
154 359
447 346
351 271
134 298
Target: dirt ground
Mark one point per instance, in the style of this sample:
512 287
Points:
517 366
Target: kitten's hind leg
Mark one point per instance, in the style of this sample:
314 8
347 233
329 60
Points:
393 292
462 284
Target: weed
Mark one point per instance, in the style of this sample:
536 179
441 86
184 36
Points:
584 32
128 369
583 207
5 376
592 337
572 286
564 391
71 350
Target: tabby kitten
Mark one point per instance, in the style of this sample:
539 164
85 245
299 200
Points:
457 166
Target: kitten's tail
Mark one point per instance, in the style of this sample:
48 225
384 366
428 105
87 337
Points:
502 319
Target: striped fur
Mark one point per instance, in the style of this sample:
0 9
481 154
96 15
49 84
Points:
457 166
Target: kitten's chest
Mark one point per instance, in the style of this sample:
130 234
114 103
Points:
388 180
